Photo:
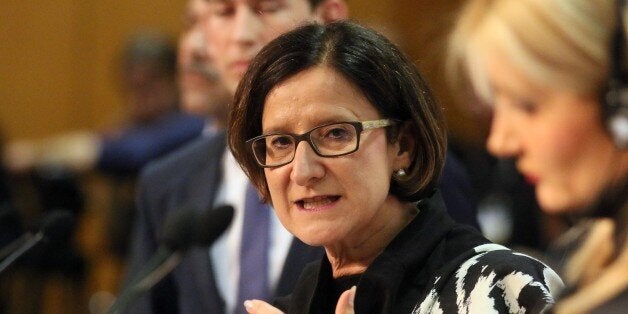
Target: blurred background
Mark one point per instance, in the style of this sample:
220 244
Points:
60 72
58 67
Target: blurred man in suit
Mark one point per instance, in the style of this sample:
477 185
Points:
204 174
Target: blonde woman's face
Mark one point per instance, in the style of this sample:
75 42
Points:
557 138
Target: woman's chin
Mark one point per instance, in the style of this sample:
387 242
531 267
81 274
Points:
555 203
317 237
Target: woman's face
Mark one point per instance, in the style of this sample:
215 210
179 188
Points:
329 200
557 138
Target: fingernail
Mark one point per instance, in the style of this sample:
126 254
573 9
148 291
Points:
248 304
352 295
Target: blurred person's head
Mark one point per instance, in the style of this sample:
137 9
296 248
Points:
148 76
238 29
376 135
202 91
543 66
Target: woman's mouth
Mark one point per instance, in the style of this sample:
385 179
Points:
316 203
532 180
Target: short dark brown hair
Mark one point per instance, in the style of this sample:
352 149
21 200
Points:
375 66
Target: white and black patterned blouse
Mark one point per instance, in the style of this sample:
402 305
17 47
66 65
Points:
434 266
493 280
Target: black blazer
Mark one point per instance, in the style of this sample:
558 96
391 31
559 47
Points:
189 178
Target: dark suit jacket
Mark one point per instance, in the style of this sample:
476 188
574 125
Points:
455 187
189 178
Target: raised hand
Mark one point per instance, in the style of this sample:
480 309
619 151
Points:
344 305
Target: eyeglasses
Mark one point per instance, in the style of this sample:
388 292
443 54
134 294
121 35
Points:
328 140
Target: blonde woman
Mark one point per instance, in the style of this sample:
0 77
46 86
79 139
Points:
552 71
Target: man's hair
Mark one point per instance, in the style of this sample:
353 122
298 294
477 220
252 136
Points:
153 48
315 3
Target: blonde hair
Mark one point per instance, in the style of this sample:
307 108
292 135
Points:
561 44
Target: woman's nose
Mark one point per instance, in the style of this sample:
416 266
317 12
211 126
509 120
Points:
503 140
306 165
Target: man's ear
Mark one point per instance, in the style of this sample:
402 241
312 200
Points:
331 10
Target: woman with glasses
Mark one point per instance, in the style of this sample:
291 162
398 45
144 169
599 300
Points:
554 73
340 133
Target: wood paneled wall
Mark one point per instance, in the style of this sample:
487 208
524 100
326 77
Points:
58 69
420 28
58 60
58 73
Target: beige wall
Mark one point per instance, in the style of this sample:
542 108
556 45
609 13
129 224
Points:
57 67
420 28
57 58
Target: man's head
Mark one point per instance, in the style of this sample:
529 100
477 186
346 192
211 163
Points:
238 29
148 76
202 92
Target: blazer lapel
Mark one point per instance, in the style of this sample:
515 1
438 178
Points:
199 193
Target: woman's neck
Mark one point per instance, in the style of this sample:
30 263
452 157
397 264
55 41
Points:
358 251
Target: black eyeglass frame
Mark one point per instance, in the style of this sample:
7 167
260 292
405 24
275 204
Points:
360 126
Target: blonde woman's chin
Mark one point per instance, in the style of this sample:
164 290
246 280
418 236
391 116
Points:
559 201
556 201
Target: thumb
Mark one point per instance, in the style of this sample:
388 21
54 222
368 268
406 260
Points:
260 307
345 302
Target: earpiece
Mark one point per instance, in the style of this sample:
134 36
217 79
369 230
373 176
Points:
615 98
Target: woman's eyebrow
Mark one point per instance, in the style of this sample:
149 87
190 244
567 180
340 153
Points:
284 128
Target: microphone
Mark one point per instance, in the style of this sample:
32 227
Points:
183 230
55 227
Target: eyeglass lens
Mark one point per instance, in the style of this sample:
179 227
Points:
327 140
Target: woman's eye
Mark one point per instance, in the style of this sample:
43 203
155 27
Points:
338 134
280 142
522 104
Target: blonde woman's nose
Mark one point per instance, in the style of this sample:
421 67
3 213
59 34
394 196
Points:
503 140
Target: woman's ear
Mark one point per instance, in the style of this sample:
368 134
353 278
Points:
330 11
406 146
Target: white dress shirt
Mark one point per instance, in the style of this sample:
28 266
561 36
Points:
225 252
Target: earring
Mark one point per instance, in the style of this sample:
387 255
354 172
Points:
400 173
